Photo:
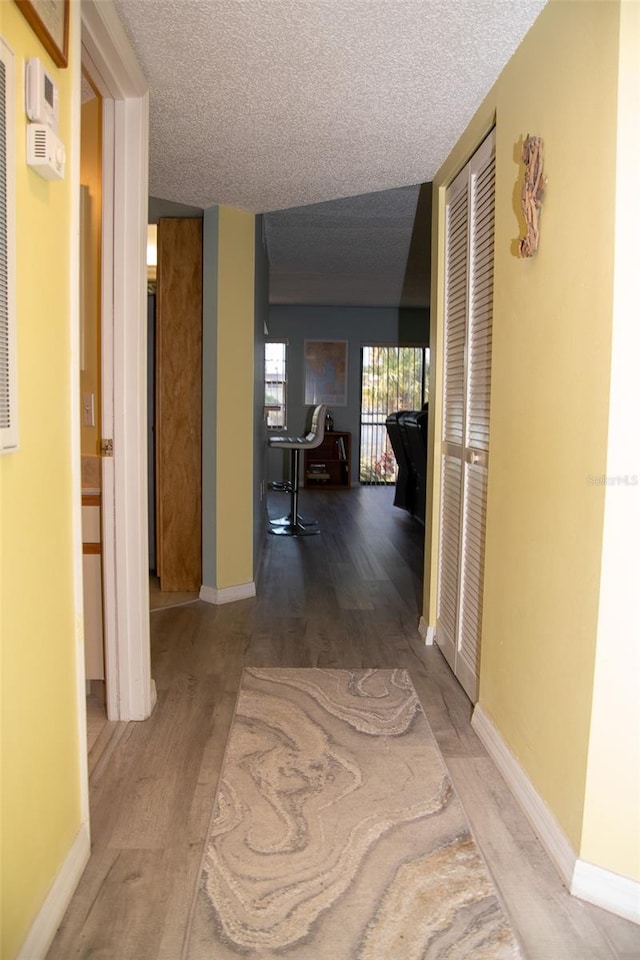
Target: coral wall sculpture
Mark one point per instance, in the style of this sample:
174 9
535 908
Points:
533 187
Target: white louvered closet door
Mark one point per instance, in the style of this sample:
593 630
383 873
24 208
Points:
469 227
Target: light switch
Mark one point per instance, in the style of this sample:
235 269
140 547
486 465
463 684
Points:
88 410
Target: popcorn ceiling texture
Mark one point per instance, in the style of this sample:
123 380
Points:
271 104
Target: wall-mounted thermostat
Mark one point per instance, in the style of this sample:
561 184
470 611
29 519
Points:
45 152
41 95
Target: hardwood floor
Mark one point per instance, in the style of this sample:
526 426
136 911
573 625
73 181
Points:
347 598
160 599
96 720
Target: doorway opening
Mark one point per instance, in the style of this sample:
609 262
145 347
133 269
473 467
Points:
393 378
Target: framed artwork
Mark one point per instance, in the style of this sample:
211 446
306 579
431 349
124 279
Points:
325 372
49 20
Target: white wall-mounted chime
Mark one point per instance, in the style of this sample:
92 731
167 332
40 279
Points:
45 150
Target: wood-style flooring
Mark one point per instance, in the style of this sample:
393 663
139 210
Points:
350 597
161 599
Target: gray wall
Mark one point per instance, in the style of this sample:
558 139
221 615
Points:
357 325
167 208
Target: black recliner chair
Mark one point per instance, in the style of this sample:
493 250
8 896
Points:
404 482
407 430
415 424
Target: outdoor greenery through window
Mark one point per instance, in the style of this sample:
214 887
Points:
275 383
393 378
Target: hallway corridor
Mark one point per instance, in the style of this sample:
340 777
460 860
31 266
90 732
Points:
348 598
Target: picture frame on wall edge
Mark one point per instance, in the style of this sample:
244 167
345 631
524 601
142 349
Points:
49 20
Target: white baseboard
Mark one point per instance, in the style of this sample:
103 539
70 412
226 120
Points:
427 633
240 591
153 697
619 895
49 917
547 828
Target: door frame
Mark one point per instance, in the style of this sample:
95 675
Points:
111 63
400 345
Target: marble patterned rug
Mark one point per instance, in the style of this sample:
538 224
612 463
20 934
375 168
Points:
336 834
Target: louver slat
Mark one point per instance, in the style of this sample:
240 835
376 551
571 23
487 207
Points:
5 404
481 308
455 318
449 548
473 538
8 394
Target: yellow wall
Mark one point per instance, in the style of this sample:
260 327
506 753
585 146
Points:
39 628
235 386
91 176
550 384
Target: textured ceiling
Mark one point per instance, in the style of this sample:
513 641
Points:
274 104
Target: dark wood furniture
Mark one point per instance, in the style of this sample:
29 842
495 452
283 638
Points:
329 465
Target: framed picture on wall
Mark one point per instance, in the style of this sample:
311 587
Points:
325 372
49 20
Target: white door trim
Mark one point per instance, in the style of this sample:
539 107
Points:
108 56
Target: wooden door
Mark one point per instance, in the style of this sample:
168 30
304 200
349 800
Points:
179 405
469 229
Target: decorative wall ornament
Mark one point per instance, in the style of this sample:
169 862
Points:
533 186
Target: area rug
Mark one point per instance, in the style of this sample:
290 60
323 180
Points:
336 833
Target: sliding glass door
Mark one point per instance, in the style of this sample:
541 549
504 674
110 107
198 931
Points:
393 378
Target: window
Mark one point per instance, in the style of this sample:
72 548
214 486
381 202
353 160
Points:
393 378
275 384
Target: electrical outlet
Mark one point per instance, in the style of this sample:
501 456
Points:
88 410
